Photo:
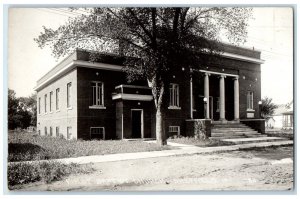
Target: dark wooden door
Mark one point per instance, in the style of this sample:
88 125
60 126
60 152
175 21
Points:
136 123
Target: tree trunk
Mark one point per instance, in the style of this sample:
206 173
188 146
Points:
158 93
159 127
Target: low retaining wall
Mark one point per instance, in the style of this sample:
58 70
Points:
256 124
198 126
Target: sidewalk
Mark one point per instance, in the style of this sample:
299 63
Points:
183 150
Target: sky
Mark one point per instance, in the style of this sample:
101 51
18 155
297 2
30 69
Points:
270 30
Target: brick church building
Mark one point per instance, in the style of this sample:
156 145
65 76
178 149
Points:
79 99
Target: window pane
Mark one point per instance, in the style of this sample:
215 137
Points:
69 85
57 99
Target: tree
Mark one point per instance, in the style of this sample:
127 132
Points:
13 103
267 107
28 104
152 40
21 111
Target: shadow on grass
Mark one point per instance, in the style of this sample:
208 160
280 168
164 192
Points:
26 152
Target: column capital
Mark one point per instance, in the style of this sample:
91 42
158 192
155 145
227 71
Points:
236 78
222 76
207 74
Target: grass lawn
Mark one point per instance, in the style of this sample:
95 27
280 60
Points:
288 133
24 146
198 142
20 173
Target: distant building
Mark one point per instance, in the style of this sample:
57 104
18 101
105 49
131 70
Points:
283 118
92 100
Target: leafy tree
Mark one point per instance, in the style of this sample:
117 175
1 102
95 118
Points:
21 111
267 107
160 40
29 104
13 103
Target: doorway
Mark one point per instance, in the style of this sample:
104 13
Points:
137 123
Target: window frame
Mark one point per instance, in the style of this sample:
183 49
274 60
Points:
69 134
171 129
45 131
69 87
57 91
50 101
57 131
174 94
98 127
97 100
250 97
45 101
39 105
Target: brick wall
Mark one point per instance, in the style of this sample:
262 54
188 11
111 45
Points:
88 117
63 117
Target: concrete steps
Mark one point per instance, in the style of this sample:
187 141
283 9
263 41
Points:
230 134
254 139
237 133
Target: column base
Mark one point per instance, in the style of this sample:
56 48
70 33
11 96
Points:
237 120
223 121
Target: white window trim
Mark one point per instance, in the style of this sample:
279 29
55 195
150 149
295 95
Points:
97 107
95 127
57 92
101 106
69 97
174 107
51 102
252 103
39 106
45 105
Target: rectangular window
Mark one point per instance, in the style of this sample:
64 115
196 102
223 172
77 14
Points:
39 105
57 131
57 99
174 95
45 103
174 129
45 130
97 133
51 133
39 132
69 86
51 100
69 132
97 94
250 100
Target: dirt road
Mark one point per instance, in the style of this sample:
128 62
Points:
267 169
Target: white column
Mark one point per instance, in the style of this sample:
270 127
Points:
206 93
236 99
191 97
222 98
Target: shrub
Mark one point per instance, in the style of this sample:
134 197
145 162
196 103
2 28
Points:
24 146
47 171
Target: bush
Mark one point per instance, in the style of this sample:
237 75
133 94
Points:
47 171
24 146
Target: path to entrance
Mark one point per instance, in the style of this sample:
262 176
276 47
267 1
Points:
182 150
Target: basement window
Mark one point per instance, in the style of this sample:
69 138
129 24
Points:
57 131
69 132
174 129
97 133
